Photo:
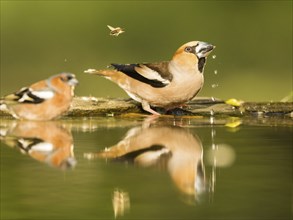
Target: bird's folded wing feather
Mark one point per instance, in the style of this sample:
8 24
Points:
154 74
27 144
28 95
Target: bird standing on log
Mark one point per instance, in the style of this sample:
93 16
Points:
166 84
43 100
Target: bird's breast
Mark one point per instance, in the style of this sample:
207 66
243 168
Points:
183 89
178 92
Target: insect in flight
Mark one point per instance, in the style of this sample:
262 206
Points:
115 31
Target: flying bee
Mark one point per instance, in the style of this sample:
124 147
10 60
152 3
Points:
115 31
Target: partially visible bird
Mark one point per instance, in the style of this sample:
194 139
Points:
167 84
43 100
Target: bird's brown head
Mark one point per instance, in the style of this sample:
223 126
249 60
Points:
194 52
68 78
62 82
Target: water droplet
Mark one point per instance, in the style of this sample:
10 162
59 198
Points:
215 72
214 56
215 85
65 60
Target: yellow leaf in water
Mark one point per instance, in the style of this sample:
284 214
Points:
234 102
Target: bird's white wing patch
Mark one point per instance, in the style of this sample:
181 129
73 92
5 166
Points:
44 147
43 94
151 74
41 146
25 98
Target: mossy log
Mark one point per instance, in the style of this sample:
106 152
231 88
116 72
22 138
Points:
92 106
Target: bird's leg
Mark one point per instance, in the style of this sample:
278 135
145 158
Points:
146 107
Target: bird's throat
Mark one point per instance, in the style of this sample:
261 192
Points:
201 63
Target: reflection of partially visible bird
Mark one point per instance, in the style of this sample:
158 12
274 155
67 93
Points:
173 148
166 84
45 141
43 100
115 31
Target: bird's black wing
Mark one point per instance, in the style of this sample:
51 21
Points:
155 75
29 96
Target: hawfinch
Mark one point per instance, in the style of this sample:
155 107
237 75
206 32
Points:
170 147
167 84
44 100
45 141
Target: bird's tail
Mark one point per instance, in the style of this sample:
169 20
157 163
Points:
105 73
8 100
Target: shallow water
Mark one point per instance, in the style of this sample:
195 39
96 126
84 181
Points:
136 168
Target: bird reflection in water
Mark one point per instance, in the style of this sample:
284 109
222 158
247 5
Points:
167 147
45 141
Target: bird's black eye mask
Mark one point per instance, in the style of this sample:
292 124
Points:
67 78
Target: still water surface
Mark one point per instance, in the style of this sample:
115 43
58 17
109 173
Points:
135 168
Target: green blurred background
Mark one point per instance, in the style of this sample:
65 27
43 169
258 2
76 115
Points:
253 38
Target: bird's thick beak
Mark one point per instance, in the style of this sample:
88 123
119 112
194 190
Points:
73 82
203 49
